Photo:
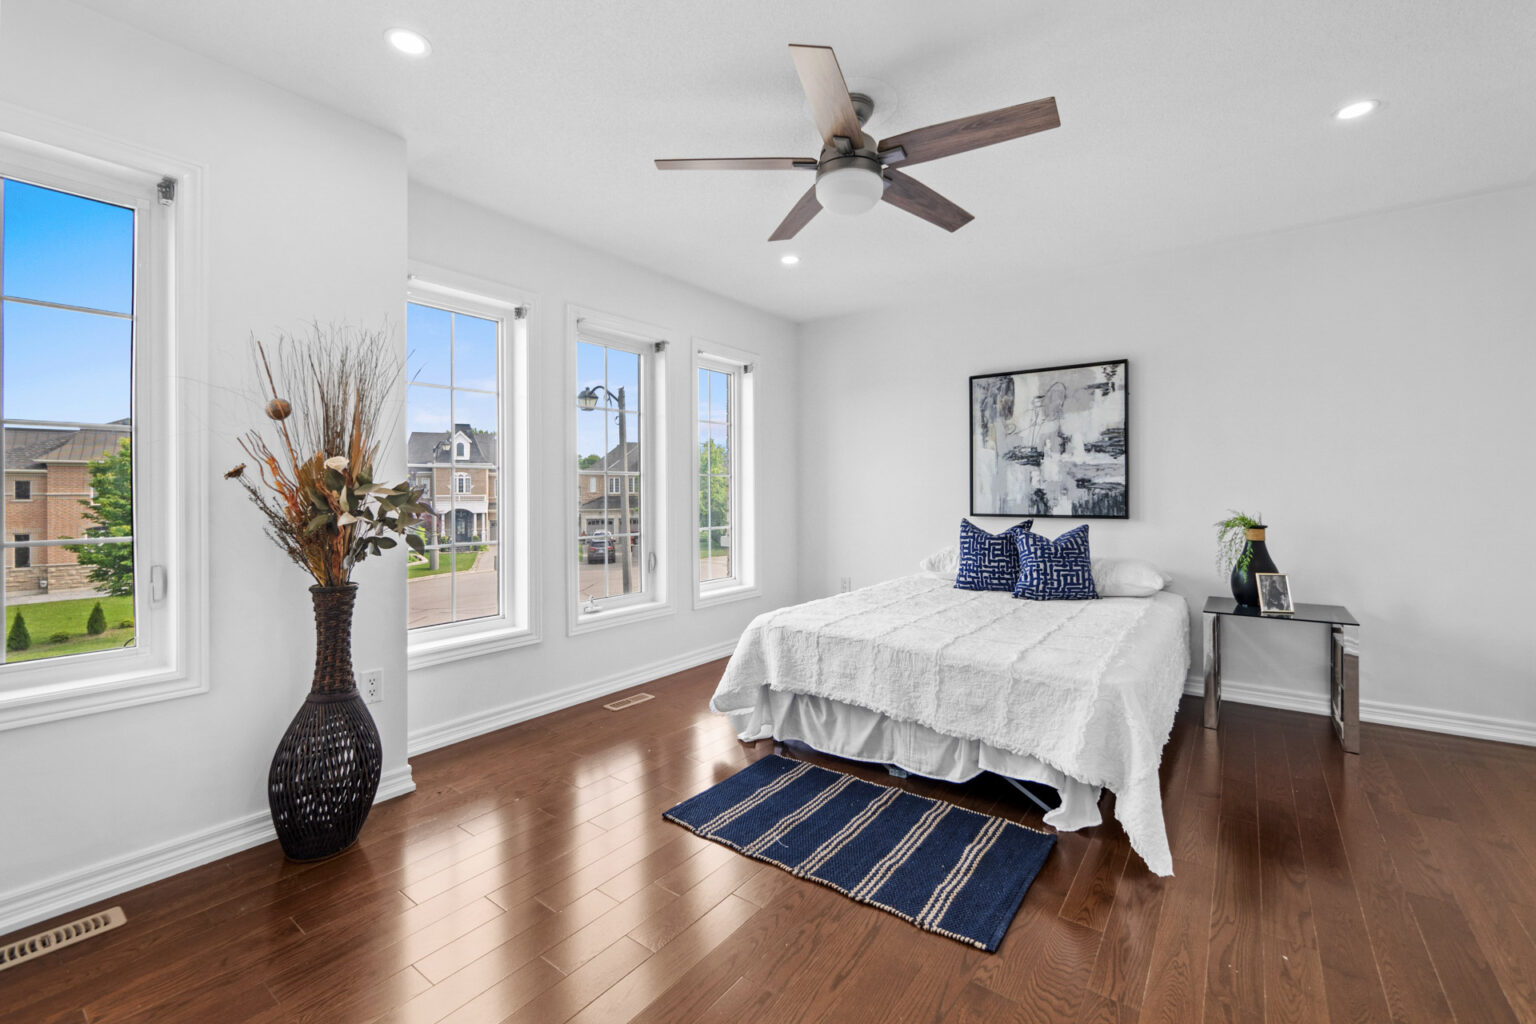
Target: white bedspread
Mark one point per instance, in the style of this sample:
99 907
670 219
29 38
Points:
1088 687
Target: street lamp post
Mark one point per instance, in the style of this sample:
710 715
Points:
587 401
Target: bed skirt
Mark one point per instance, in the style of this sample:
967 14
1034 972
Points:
859 734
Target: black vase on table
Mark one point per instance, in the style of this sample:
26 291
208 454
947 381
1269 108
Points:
1254 559
326 769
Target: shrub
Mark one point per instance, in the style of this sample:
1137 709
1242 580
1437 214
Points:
125 624
58 637
18 639
97 623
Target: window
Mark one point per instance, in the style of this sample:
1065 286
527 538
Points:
466 432
723 467
619 532
91 378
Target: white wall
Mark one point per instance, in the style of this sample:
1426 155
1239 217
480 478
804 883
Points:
1365 384
458 699
304 218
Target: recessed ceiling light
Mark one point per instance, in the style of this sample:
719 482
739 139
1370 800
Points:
412 44
1354 110
789 259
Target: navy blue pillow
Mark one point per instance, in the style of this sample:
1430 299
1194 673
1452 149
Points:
988 561
1055 570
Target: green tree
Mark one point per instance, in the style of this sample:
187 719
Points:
714 496
18 639
112 516
588 461
96 623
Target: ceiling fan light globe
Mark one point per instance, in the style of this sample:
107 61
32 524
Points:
849 190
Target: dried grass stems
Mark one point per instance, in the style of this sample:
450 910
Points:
326 393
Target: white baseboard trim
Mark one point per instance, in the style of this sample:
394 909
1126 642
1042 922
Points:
459 729
72 890
1404 716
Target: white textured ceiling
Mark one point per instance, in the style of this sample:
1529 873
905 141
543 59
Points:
1182 122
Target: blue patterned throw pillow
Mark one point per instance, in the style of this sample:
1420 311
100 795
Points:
988 561
1055 570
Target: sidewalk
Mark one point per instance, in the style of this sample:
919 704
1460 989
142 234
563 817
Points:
39 596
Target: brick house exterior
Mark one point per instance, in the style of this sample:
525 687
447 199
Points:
47 487
458 476
598 504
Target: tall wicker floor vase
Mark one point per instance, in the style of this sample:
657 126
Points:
326 769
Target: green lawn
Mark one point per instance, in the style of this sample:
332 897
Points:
461 561
46 618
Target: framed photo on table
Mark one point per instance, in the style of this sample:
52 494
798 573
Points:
1051 442
1274 593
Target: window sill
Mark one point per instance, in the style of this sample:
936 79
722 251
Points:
444 650
591 622
725 595
21 706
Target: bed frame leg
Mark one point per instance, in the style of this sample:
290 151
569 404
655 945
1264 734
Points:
1016 784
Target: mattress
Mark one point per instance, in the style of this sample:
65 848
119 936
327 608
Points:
1076 694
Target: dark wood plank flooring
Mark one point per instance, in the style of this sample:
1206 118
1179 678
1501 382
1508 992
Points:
531 878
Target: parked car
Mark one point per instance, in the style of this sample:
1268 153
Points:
601 547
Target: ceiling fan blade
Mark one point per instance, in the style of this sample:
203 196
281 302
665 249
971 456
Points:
798 218
911 195
822 80
968 133
751 163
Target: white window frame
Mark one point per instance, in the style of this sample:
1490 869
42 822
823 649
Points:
517 625
743 367
650 343
461 483
169 658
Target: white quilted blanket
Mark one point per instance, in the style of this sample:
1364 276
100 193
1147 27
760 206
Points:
1089 687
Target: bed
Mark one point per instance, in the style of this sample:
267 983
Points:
947 683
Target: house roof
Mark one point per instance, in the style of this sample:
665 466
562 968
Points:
35 447
425 448
614 461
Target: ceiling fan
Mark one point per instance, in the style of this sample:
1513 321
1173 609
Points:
853 172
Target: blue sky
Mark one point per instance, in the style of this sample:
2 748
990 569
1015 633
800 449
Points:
60 364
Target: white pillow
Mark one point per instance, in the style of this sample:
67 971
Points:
945 562
1127 577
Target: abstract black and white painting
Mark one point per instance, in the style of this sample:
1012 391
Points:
1051 442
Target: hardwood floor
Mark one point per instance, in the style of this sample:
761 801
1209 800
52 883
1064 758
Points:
531 878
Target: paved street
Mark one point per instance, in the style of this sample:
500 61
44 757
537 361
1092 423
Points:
429 595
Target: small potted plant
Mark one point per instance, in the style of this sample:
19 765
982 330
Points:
326 394
1241 552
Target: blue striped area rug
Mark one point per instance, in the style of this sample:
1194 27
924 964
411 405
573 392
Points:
941 867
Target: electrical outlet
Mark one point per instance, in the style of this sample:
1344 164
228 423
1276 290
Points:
847 584
370 683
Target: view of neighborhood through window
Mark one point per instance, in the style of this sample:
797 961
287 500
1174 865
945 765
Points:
715 477
609 554
453 455
66 339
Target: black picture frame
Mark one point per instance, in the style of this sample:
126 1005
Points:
1085 397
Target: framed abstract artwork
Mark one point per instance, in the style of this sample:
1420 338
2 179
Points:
1051 442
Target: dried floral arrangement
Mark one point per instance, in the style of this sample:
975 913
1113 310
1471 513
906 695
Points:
325 391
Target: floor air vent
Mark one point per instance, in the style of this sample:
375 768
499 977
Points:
34 946
629 702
